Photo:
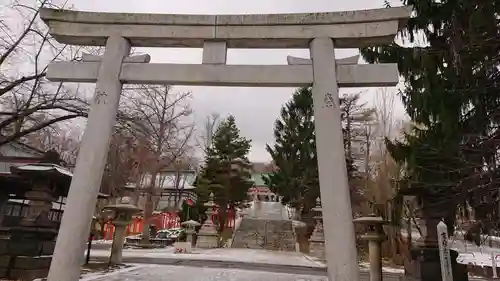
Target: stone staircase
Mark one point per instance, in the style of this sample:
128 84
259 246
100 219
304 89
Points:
267 228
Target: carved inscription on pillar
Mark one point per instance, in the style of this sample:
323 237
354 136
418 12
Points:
329 101
100 97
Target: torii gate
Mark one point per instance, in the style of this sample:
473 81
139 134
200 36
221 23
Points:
319 32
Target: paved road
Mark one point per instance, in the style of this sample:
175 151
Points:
274 268
176 273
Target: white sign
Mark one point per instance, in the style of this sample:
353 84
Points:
444 252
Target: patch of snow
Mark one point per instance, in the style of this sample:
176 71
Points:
106 275
221 254
45 167
387 269
168 273
480 259
102 241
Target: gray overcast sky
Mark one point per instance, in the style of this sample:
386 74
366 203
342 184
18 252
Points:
255 109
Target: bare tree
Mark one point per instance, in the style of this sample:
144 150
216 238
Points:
180 173
160 118
204 139
383 172
120 163
28 101
62 138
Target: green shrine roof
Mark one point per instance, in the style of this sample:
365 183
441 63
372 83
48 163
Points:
257 178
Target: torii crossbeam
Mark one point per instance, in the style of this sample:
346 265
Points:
319 32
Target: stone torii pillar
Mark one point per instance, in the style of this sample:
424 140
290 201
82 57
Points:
91 159
336 202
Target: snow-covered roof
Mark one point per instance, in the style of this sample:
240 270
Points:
44 168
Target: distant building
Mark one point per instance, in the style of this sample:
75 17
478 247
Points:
171 189
259 189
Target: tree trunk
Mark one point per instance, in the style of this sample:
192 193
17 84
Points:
222 217
148 213
102 227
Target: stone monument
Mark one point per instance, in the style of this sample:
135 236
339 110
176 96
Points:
321 33
208 236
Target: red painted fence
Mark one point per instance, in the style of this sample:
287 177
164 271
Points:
163 220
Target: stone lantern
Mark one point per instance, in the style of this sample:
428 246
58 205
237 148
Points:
317 240
122 217
374 235
32 239
190 227
208 236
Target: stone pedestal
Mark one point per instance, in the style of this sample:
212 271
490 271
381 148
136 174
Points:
374 235
317 243
317 239
300 232
118 241
27 254
425 263
208 236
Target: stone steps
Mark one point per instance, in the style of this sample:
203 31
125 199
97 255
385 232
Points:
267 229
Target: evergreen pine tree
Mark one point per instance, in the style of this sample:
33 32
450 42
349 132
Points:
294 151
227 169
451 93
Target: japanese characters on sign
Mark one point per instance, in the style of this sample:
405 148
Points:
444 252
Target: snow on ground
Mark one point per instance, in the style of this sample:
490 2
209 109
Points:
481 259
171 273
237 255
221 254
396 270
101 274
469 253
135 252
472 254
102 241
